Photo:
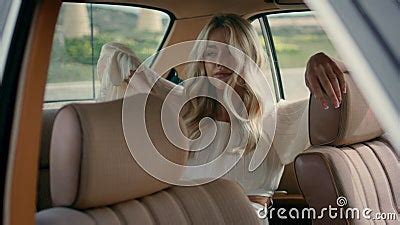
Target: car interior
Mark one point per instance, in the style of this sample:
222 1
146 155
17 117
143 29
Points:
84 173
350 157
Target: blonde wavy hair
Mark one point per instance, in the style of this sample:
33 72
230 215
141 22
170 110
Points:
243 37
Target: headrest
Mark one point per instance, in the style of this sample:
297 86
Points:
90 163
351 123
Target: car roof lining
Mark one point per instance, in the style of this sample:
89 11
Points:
204 8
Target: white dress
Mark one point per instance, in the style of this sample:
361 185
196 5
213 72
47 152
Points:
262 181
291 138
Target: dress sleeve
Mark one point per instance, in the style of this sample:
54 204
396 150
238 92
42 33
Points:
146 80
291 134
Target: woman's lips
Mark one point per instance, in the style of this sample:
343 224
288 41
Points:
222 76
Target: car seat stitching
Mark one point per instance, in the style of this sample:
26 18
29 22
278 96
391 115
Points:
368 144
181 205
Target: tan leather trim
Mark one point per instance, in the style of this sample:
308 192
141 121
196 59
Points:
22 170
318 193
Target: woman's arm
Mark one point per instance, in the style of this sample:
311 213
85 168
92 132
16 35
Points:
326 75
148 81
262 200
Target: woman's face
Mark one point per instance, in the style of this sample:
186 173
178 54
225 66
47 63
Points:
218 52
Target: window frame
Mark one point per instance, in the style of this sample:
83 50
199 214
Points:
162 43
279 87
11 80
271 58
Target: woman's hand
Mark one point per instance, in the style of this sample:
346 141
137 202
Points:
262 200
131 73
324 75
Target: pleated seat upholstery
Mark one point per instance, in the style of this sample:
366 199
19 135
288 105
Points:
95 180
351 160
219 202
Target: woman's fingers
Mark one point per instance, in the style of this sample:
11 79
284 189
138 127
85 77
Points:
324 76
334 82
340 76
327 87
316 90
342 82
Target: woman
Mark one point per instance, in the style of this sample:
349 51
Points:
113 70
235 31
229 31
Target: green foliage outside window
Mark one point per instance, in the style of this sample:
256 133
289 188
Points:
72 59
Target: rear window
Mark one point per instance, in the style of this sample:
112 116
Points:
82 29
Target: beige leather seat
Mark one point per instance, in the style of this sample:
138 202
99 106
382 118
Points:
288 194
43 188
349 158
95 180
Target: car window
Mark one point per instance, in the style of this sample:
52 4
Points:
8 14
257 24
82 29
4 9
296 37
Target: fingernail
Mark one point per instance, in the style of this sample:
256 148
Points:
337 104
345 90
325 105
